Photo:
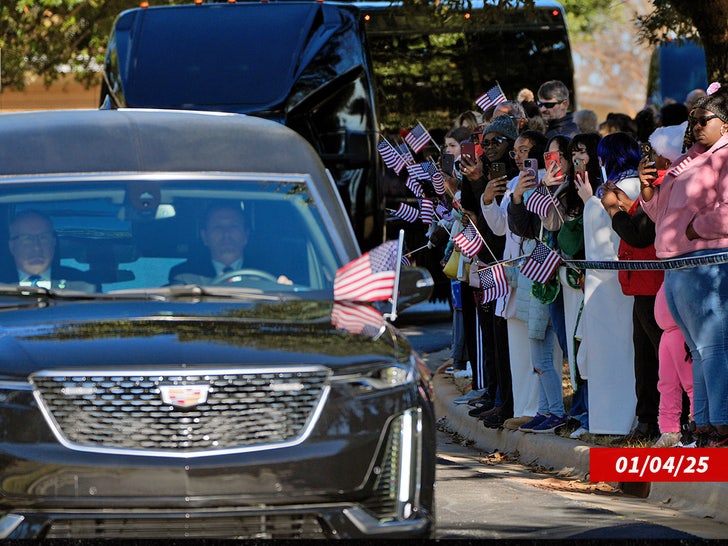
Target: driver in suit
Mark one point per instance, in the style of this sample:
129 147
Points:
32 244
224 233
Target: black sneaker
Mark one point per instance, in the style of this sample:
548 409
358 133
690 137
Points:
494 420
482 411
643 432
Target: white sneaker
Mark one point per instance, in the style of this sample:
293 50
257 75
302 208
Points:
578 433
467 372
465 398
668 439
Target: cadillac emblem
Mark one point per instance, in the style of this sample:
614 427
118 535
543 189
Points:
184 396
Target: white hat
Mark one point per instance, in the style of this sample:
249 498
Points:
668 141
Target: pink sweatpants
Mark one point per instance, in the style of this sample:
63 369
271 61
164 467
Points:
675 373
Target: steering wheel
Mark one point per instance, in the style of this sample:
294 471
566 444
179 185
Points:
227 278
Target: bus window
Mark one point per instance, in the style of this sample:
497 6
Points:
431 69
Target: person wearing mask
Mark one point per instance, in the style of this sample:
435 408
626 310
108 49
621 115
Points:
690 211
606 319
553 100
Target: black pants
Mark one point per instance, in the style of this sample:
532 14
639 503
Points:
646 338
496 342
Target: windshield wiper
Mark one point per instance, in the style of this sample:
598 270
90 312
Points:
189 291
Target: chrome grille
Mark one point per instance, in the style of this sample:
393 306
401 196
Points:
245 409
260 526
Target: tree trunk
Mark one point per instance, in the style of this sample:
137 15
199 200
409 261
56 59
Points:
709 18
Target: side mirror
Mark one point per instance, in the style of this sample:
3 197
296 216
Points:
415 286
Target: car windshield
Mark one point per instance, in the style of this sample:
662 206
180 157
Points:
111 234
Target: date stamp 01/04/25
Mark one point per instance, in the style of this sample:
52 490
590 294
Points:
658 465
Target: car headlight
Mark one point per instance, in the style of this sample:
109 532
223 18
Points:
379 378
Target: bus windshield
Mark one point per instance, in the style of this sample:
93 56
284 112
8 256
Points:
430 68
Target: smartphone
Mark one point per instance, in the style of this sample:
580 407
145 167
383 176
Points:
550 158
530 165
467 149
647 150
497 169
579 166
447 164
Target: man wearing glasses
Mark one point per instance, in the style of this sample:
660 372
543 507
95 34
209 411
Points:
32 243
553 101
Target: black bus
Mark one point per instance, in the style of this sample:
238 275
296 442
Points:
431 63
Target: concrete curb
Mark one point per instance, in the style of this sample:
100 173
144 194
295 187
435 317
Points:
567 457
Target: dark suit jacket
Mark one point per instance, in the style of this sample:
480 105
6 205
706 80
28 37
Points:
62 277
196 270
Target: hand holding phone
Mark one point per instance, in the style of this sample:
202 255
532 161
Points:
467 149
497 169
551 159
530 166
447 164
647 151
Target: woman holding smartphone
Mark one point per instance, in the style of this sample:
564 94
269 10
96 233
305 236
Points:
487 334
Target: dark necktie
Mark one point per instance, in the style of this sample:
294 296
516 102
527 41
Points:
33 279
227 269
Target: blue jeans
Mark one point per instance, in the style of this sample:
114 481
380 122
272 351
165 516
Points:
698 300
551 395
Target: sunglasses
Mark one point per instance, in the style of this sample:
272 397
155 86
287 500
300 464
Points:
703 120
548 105
486 143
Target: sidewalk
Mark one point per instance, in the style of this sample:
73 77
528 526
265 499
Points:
564 456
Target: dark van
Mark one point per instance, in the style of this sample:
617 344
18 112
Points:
303 64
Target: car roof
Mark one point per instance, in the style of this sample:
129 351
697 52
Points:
137 140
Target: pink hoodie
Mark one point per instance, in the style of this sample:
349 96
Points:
695 189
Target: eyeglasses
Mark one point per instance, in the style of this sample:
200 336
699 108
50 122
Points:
486 143
703 120
548 105
522 151
28 240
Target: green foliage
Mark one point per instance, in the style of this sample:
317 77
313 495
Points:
44 37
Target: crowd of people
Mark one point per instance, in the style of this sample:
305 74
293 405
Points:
646 343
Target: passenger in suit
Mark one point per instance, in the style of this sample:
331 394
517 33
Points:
32 243
225 235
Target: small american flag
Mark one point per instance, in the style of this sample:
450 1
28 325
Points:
418 137
415 187
493 283
680 167
370 277
427 210
356 318
405 152
407 213
438 182
417 172
469 241
539 202
541 264
443 212
491 97
390 156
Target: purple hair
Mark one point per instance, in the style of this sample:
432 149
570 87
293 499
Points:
620 152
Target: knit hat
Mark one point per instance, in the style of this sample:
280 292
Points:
503 125
668 141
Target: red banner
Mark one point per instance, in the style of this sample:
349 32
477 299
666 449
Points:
658 464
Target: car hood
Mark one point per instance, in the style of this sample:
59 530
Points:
153 334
